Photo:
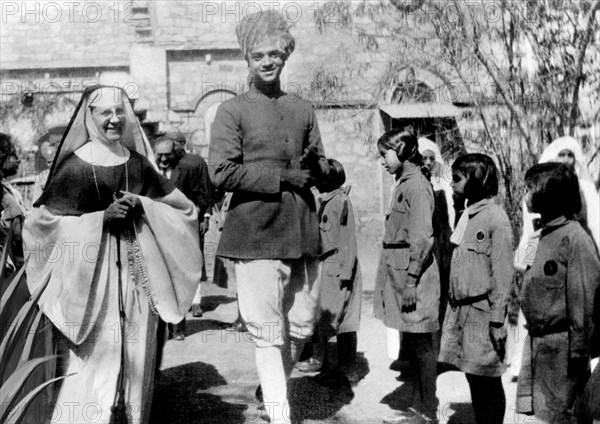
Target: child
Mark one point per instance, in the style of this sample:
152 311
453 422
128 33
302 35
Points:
341 284
565 150
481 272
407 289
557 297
589 407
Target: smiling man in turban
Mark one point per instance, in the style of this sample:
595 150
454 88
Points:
266 149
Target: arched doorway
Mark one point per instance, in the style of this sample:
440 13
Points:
422 100
203 116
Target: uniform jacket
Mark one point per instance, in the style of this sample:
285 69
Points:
407 256
190 175
482 265
481 275
338 238
559 288
253 138
341 281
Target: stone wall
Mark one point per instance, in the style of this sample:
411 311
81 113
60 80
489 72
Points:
47 34
345 139
181 57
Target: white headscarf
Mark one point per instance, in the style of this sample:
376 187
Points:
523 256
550 154
82 129
440 179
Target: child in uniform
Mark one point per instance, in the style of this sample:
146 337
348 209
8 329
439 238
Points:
341 283
557 297
481 272
407 288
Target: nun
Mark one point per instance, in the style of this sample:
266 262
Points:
111 239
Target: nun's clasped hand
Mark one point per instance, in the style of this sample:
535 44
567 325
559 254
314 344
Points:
121 208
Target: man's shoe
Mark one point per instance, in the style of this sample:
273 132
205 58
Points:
178 335
310 365
399 417
352 376
197 311
237 326
411 416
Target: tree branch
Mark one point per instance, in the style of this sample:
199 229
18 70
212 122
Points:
507 100
579 66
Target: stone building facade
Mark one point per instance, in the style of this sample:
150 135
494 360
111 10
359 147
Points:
179 59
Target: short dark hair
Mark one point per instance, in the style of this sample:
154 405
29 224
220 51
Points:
405 143
336 178
554 189
481 174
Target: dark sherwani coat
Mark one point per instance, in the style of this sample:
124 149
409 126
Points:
190 175
253 138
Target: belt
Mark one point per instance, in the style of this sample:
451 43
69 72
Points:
327 254
468 300
541 332
395 245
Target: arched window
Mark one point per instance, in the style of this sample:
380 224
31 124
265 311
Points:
413 92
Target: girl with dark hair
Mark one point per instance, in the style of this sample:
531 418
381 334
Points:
557 297
407 289
565 150
481 272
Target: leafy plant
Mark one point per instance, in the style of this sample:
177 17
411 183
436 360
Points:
529 71
21 332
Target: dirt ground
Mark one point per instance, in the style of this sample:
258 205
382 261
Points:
210 377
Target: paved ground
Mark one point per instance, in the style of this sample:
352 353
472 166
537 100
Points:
210 378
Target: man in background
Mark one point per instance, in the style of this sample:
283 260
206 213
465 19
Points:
189 173
196 161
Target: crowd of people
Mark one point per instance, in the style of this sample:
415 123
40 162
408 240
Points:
135 228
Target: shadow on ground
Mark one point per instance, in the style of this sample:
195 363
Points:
177 399
311 401
455 413
193 326
210 303
400 399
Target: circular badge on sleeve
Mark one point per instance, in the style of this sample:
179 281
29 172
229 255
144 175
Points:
550 268
480 235
325 219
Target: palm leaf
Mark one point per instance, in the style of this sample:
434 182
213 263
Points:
18 332
8 303
31 338
17 413
6 250
16 381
